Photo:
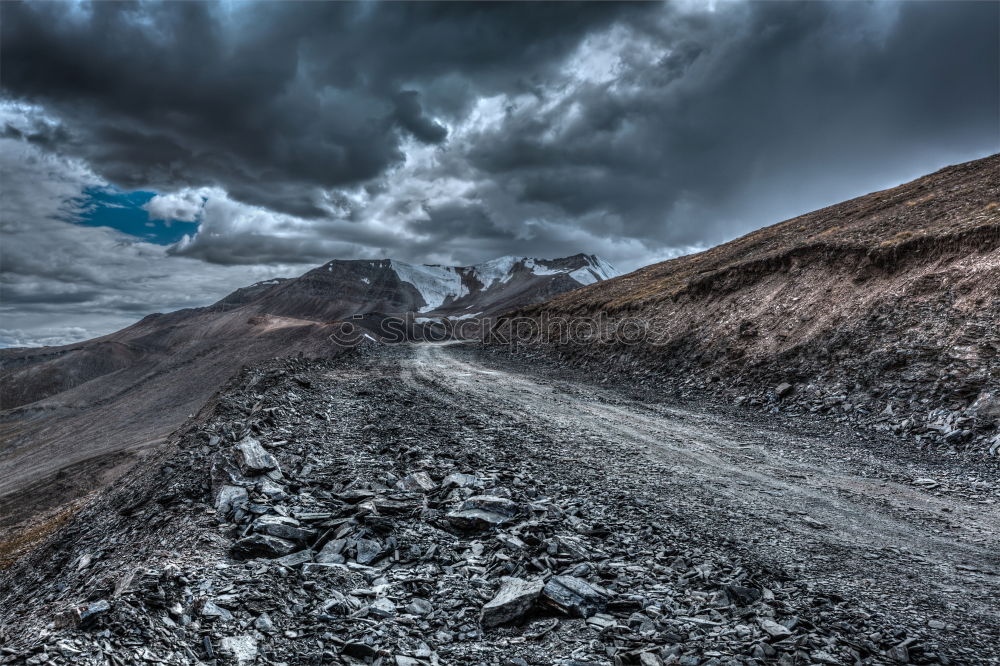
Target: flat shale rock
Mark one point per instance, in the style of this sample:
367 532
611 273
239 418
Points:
212 610
295 559
242 649
261 545
515 598
741 596
774 630
574 596
483 511
417 482
459 480
229 499
252 459
331 552
282 527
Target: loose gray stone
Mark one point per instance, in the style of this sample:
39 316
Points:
574 596
459 480
90 611
483 512
368 550
418 606
261 545
282 527
493 504
515 598
211 609
252 459
270 489
773 629
243 649
417 482
295 559
230 499
331 552
383 608
264 624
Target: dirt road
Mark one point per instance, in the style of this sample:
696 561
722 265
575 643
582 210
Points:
840 512
445 504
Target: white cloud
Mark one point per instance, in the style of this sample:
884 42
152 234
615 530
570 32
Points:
185 205
62 282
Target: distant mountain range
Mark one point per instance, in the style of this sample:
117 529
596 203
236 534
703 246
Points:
341 288
87 408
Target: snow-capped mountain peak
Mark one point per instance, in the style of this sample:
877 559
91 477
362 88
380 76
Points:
444 287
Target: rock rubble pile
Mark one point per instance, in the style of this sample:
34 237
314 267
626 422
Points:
327 513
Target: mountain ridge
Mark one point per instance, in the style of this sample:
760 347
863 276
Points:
880 310
91 404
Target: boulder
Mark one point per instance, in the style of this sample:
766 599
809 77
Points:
230 499
252 459
574 596
417 482
261 545
282 527
367 550
483 511
515 598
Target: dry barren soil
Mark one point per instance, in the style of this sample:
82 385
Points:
884 309
425 504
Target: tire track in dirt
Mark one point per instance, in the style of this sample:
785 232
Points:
795 499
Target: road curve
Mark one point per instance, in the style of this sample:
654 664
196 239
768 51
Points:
843 516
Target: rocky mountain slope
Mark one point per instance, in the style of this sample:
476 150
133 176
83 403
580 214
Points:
74 416
883 309
414 505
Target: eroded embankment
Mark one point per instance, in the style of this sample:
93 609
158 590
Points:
905 338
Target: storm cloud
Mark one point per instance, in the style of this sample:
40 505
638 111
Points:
293 133
276 101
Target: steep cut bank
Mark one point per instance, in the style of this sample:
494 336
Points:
883 309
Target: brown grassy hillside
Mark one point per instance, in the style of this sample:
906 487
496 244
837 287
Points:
885 307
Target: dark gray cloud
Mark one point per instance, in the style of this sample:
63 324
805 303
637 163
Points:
751 109
296 132
410 116
273 101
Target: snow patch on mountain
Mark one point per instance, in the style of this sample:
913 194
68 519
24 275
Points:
597 270
436 284
496 270
539 269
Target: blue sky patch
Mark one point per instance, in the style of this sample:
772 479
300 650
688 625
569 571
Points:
113 207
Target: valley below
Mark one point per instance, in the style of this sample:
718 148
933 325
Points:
449 503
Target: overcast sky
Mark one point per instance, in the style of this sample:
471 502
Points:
157 156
